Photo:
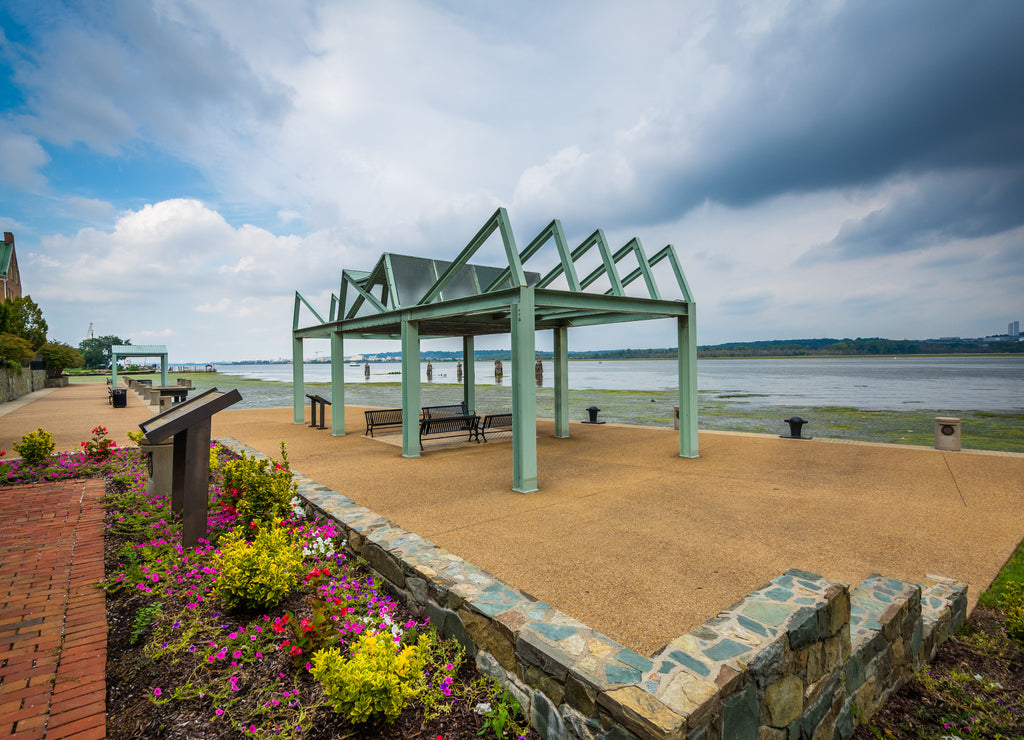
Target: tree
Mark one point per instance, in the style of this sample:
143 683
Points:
58 356
96 351
14 349
23 318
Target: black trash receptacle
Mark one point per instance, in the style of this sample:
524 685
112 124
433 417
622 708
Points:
120 398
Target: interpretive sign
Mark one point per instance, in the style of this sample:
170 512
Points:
189 424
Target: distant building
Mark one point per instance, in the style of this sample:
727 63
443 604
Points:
10 279
1013 330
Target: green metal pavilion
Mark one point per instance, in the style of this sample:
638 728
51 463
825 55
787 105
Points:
408 298
118 351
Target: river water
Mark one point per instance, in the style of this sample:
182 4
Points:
896 383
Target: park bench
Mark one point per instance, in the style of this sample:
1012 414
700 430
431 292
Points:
382 418
495 421
314 401
452 420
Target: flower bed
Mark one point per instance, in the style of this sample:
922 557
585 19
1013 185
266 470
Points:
240 637
267 628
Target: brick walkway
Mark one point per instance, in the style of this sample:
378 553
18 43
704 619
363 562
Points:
53 625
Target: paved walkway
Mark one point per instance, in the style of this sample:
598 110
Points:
53 625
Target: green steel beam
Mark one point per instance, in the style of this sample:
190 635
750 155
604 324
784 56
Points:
561 362
469 374
687 336
669 252
643 266
389 277
295 317
361 296
607 263
297 379
337 384
524 395
410 389
616 304
590 319
498 221
552 231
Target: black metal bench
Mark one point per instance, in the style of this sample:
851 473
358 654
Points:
437 412
495 421
323 403
450 426
382 418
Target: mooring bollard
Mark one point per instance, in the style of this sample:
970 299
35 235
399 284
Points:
795 424
592 411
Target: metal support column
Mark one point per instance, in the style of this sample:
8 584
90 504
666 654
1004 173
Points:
410 388
337 384
163 369
524 394
688 383
469 373
298 388
561 362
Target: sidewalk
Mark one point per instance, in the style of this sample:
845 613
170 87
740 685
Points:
53 626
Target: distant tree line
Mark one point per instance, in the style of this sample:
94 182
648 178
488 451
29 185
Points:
858 347
824 347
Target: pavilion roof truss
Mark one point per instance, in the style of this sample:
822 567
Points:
468 299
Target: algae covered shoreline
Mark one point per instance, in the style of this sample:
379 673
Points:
717 410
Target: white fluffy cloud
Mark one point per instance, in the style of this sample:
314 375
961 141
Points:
178 269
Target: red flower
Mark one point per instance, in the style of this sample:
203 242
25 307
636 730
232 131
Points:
296 650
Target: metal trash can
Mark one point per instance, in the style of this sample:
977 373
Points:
120 399
947 433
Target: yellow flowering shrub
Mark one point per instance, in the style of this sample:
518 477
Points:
263 488
1012 603
379 679
260 574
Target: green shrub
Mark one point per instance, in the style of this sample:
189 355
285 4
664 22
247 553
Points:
377 681
35 447
262 488
258 575
1012 604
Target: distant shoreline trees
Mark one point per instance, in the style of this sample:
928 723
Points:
824 347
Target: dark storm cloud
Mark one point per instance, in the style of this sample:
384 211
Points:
877 90
938 210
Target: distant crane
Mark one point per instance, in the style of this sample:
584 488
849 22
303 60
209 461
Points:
88 334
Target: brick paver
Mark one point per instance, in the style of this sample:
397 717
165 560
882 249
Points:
53 625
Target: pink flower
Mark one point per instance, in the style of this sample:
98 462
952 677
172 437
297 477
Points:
157 692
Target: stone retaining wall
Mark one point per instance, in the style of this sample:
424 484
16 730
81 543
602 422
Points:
801 657
14 385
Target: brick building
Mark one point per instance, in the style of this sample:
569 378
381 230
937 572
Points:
10 279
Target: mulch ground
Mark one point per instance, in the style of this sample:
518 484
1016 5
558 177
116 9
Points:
982 656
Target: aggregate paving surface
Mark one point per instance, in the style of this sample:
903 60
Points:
626 536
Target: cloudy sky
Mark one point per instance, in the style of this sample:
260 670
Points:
173 171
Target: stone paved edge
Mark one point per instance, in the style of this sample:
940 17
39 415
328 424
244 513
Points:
800 657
